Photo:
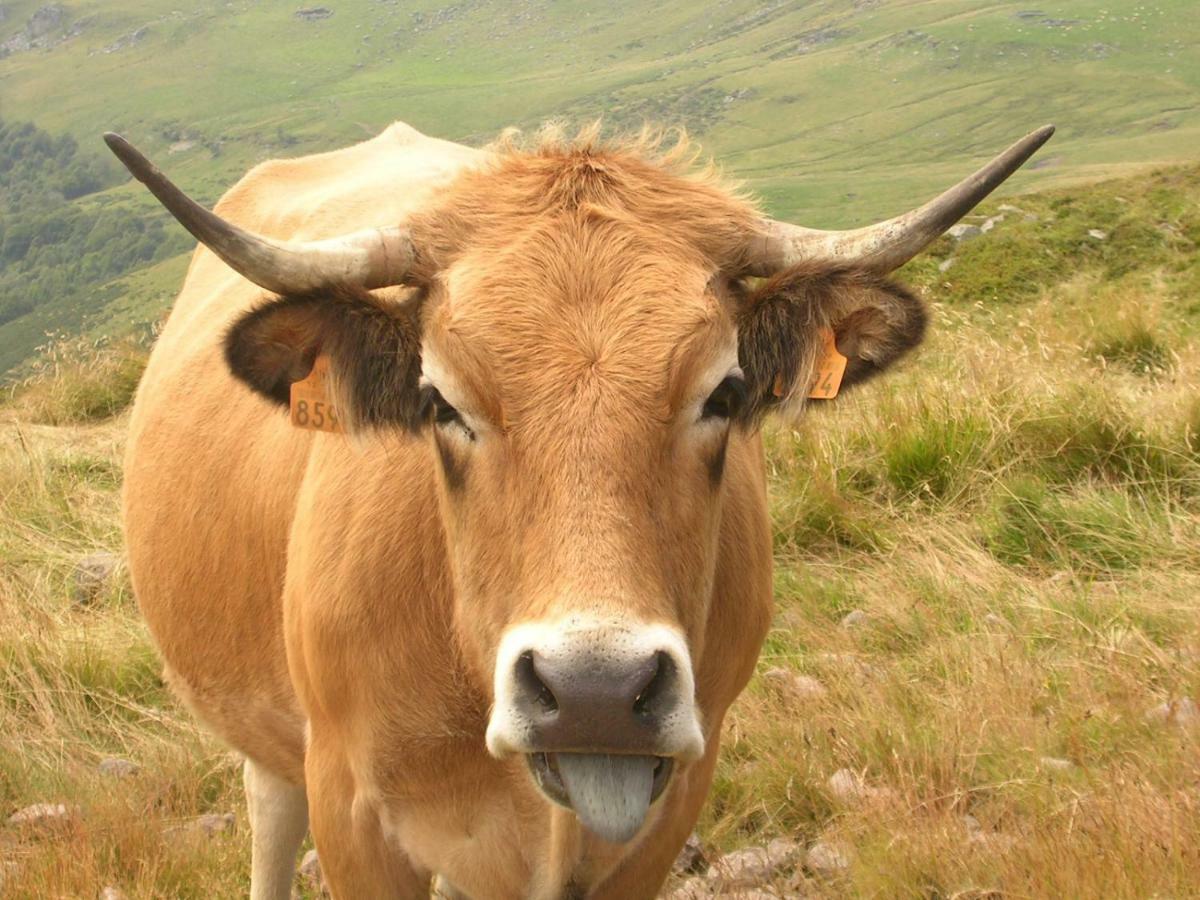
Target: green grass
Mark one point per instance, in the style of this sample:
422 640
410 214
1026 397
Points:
80 380
833 113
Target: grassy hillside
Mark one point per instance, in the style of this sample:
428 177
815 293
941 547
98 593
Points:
1010 524
834 111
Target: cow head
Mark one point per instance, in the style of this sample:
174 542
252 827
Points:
588 354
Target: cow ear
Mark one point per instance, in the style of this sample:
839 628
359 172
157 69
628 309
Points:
784 322
374 350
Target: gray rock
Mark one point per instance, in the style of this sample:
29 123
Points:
310 872
215 823
691 859
754 866
946 264
207 825
854 618
44 815
1181 713
964 232
116 767
827 857
92 576
313 13
1056 764
1097 234
993 840
793 686
846 785
785 853
691 889
990 223
742 868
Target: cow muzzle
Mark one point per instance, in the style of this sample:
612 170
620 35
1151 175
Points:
601 711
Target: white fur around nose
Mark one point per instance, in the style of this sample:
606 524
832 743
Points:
510 732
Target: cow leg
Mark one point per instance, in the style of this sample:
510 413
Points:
278 822
357 861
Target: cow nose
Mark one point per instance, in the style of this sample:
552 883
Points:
603 688
572 703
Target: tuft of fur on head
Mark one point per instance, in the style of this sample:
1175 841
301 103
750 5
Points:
553 179
670 149
875 321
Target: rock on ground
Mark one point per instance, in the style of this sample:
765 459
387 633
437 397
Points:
793 686
754 866
1056 764
43 814
854 618
845 784
691 859
691 889
116 767
742 868
92 576
1182 713
825 857
310 871
112 893
313 13
207 825
964 232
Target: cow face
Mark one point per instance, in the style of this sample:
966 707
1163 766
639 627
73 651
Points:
587 369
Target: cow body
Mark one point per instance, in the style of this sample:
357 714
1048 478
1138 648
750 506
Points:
301 591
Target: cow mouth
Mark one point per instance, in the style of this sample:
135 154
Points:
610 793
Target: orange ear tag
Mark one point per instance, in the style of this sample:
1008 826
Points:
311 407
830 370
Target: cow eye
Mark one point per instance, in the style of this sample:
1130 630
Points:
436 409
726 401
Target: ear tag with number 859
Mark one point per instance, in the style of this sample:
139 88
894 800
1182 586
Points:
311 407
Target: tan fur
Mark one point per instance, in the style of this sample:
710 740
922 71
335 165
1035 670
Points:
294 580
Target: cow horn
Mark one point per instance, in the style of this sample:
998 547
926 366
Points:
376 257
888 245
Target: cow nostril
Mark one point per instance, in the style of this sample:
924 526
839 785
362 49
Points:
532 685
657 685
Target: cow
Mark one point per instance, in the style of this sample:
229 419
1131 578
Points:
483 636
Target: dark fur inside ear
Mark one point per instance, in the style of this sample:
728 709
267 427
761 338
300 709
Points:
875 321
374 349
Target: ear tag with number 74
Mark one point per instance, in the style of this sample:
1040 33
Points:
311 407
831 368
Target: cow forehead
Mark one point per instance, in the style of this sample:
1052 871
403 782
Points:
582 312
580 271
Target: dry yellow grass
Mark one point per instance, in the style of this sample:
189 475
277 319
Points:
1015 514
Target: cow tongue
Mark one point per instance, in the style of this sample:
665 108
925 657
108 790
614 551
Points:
609 793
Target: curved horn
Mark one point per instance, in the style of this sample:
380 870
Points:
377 257
888 245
